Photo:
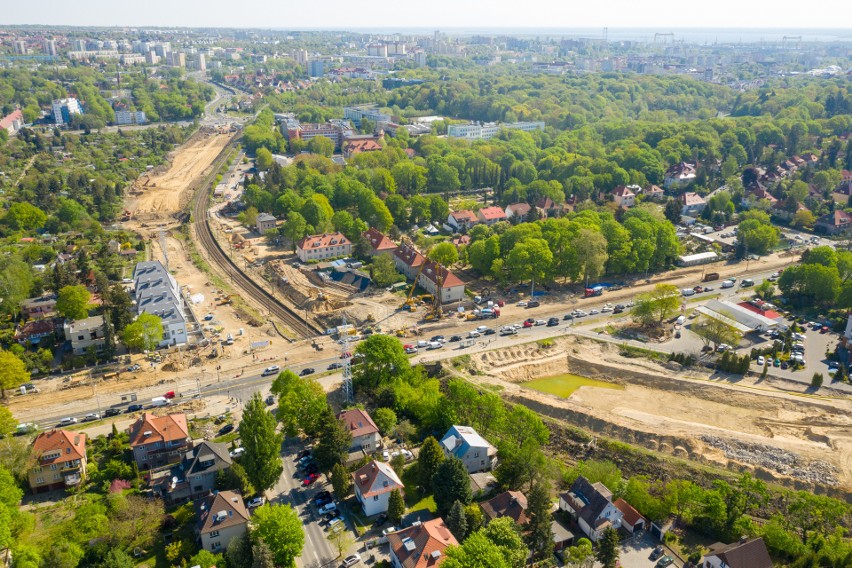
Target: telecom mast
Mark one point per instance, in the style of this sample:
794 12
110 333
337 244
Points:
346 357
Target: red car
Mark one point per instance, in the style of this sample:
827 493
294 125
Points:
310 479
528 323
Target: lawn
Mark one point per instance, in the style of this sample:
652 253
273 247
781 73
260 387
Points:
565 385
415 499
426 503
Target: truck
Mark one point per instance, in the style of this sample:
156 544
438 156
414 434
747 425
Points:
596 291
710 276
159 401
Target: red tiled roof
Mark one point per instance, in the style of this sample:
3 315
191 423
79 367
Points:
622 191
512 504
629 514
358 422
322 241
67 446
163 429
428 542
358 146
378 240
691 198
519 209
228 502
465 215
493 212
15 115
433 272
409 255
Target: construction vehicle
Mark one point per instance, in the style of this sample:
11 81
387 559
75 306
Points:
224 301
410 303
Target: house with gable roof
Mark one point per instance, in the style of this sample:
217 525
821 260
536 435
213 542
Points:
473 450
491 215
590 504
373 485
159 440
222 517
364 432
512 504
421 545
59 460
624 196
379 243
462 220
195 475
743 554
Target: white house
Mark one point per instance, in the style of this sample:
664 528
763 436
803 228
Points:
462 220
743 554
491 215
365 433
323 247
624 197
85 333
473 450
373 485
678 175
518 212
157 292
434 276
590 504
222 517
265 222
691 203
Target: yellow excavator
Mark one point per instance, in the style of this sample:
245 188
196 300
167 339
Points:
410 303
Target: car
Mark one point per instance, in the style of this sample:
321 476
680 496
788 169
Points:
422 343
322 501
665 561
307 371
786 365
776 362
619 306
303 454
407 454
618 310
312 468
410 350
746 283
760 360
567 317
833 365
580 314
309 479
134 368
389 530
439 338
552 322
330 517
322 494
473 334
657 552
256 502
455 339
327 508
271 370
334 521
435 345
489 331
481 328
67 421
540 322
351 560
208 317
528 323
112 412
385 455
708 288
728 284
533 304
521 304
134 408
606 309
800 337
92 416
677 334
723 347
381 519
594 311
226 429
334 366
237 452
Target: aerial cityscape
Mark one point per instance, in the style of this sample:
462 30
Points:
400 293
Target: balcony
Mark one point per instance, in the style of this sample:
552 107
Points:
72 479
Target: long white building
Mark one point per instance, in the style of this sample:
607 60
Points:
488 130
157 292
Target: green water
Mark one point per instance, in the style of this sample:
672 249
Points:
565 385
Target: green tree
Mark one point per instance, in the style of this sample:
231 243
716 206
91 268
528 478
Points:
144 334
295 229
262 458
756 235
7 422
23 216
580 552
539 533
13 372
591 248
396 506
444 254
504 533
765 290
476 552
656 306
673 210
280 528
383 361
341 481
608 548
814 515
715 331
450 484
816 380
264 159
529 260
16 281
457 521
238 553
116 558
234 477
383 271
334 441
473 515
73 302
385 419
301 403
810 284
321 145
430 457
261 555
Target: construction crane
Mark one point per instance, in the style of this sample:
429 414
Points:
435 311
346 357
785 39
669 35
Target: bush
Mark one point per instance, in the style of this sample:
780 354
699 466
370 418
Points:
816 381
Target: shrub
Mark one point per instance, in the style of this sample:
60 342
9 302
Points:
816 381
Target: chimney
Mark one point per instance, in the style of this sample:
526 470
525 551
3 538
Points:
743 539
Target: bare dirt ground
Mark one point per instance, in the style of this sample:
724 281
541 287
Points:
767 426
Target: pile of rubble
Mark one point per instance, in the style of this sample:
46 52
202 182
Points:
776 459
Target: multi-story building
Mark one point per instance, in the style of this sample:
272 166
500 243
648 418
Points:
434 277
130 117
155 291
49 47
323 247
265 222
85 333
473 450
486 131
337 131
159 440
421 545
21 47
373 485
364 432
194 476
301 56
64 109
13 121
59 460
370 112
316 68
222 517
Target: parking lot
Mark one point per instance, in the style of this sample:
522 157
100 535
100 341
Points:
636 553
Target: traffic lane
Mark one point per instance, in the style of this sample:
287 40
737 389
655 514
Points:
317 550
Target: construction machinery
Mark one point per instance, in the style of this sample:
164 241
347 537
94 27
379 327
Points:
410 303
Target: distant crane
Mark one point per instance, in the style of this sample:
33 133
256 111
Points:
786 39
605 34
669 35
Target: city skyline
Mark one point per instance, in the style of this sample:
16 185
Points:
335 14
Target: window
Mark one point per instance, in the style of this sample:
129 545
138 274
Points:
57 477
216 545
39 480
476 454
375 497
53 466
384 483
214 534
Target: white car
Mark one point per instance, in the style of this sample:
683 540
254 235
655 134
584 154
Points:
540 322
422 343
237 452
351 560
256 502
408 455
606 309
473 334
761 361
92 416
411 350
389 530
435 345
385 455
517 326
800 337
271 370
328 508
594 311
723 347
482 328
521 304
68 421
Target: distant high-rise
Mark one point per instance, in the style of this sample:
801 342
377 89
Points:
49 46
301 56
79 45
317 68
21 47
64 109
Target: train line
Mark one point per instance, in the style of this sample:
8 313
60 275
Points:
242 281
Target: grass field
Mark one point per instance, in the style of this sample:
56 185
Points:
565 385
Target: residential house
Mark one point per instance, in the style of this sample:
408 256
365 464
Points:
491 215
743 554
421 545
12 122
156 292
359 146
85 333
473 450
461 241
549 208
194 476
322 247
511 504
758 193
462 221
373 485
654 193
679 175
222 517
408 261
624 197
845 180
59 460
692 204
265 222
379 243
631 519
159 440
518 212
786 211
34 331
591 506
833 223
364 432
41 307
482 483
434 277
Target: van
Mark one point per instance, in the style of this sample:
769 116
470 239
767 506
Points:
728 284
688 292
508 330
680 320
159 401
747 282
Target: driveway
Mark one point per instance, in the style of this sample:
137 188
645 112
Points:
635 553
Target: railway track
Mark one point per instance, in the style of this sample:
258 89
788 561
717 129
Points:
241 281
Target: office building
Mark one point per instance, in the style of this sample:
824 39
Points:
486 131
370 112
301 56
49 47
130 117
64 109
316 68
21 47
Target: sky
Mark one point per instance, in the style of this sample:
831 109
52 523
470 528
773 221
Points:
433 14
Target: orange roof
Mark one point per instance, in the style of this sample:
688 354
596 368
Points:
409 255
511 504
378 240
324 240
434 272
162 429
421 546
465 215
493 212
57 446
221 510
365 478
358 422
358 146
630 515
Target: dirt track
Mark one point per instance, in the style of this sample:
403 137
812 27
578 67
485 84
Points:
765 414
